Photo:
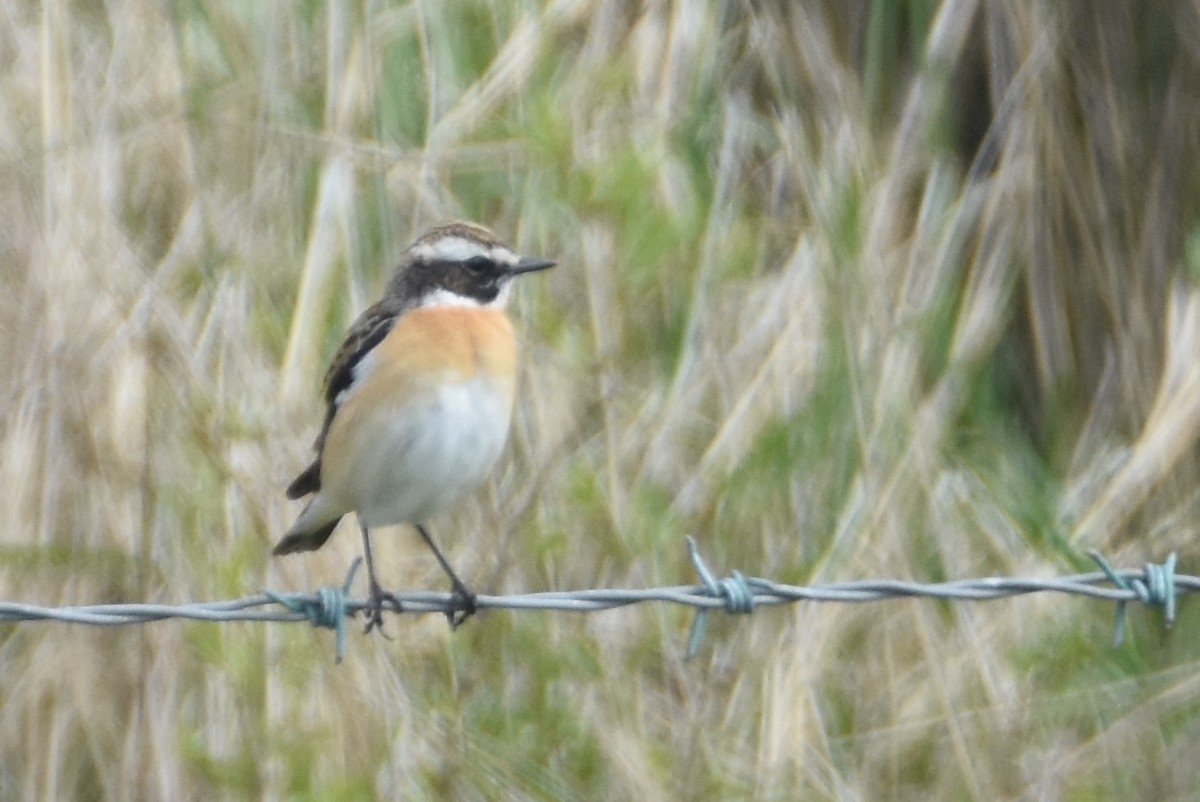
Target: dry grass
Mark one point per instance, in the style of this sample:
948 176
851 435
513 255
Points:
844 294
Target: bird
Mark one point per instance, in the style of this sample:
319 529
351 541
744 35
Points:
419 398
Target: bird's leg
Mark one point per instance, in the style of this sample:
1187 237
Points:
377 596
465 597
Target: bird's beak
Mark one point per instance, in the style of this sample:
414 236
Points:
531 264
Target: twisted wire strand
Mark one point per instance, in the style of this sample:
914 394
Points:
1154 585
763 592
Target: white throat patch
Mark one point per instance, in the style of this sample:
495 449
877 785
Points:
444 297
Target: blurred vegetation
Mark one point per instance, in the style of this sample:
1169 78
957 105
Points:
846 290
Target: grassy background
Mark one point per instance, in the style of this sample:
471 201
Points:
846 290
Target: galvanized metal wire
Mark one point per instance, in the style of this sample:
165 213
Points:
1153 584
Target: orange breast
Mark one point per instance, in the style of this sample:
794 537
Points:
461 340
431 346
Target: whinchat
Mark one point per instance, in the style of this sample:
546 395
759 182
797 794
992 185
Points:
419 398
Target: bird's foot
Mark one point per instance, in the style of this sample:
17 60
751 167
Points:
463 605
377 600
462 601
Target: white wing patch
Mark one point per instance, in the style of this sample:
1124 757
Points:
362 368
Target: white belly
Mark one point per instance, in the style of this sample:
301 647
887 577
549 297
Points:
415 462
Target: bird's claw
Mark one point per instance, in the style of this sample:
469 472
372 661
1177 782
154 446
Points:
373 612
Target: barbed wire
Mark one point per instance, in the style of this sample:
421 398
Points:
1154 585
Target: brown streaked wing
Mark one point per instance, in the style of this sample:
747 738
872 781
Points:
366 333
307 482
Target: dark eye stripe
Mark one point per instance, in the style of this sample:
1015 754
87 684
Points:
476 264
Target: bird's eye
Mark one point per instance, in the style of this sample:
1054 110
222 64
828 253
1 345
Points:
478 264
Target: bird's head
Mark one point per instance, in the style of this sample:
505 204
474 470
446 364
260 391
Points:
461 264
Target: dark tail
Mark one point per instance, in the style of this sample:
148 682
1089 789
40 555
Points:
305 541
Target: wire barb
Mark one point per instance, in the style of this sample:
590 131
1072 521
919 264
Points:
1157 589
734 589
328 609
